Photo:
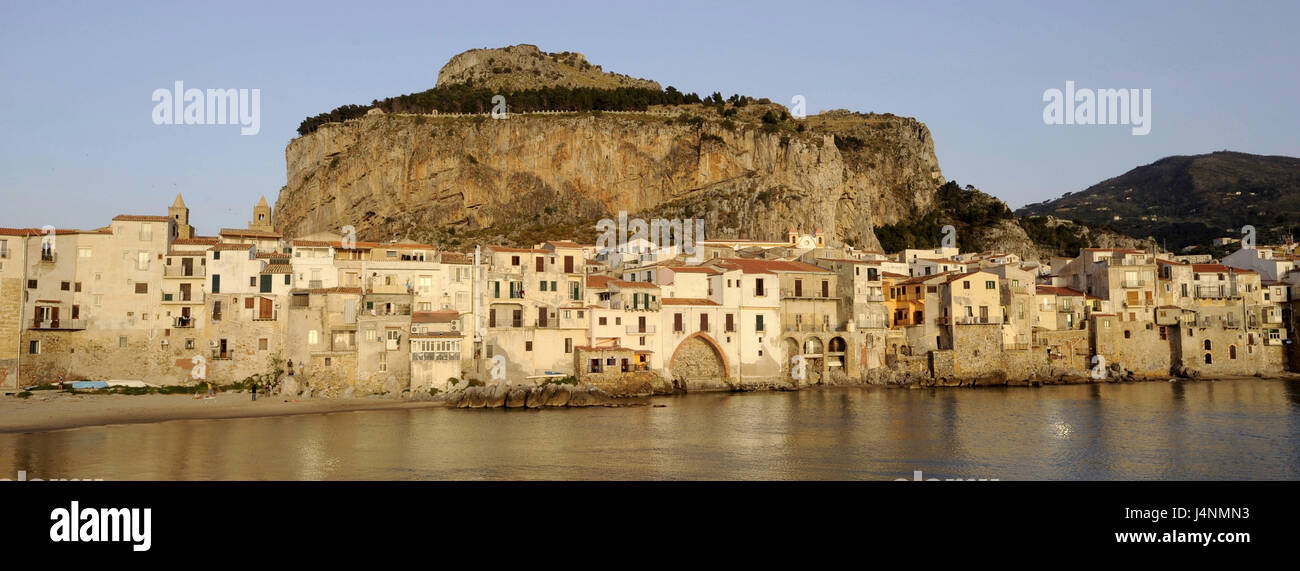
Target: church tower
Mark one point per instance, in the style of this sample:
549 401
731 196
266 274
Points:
180 215
261 217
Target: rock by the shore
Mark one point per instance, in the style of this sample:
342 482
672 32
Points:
522 396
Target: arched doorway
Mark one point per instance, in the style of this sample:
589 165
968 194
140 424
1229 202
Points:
698 361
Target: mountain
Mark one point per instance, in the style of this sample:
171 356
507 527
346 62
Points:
1183 201
396 169
580 144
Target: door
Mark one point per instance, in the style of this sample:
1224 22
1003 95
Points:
187 266
640 324
266 308
185 291
266 283
798 288
541 315
568 264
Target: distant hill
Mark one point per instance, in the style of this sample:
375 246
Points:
1185 201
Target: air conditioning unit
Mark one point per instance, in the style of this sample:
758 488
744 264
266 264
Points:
164 342
212 344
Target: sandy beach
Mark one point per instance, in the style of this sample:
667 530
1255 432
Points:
53 410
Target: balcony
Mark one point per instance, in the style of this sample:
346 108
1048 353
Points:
184 272
49 256
1217 292
1133 283
1138 303
183 322
973 320
57 324
638 330
274 315
315 284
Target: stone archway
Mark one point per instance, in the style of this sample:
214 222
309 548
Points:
698 361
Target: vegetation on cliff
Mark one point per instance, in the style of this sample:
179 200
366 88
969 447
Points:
466 98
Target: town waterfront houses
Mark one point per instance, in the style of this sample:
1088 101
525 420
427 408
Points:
147 298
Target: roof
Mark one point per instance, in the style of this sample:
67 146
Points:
32 232
565 244
756 266
454 334
956 277
892 275
455 258
693 269
140 218
434 316
277 269
598 281
627 284
1057 291
227 246
1120 250
323 290
508 249
686 301
194 253
1215 268
923 279
311 243
248 233
195 241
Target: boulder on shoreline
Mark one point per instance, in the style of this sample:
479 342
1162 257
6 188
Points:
525 396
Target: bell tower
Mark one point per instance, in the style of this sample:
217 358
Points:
180 215
261 217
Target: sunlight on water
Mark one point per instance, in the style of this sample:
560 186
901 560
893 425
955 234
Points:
1206 430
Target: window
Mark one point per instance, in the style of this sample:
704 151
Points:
142 260
83 252
370 334
121 341
965 284
146 232
601 320
758 323
677 323
990 284
262 343
141 287
31 284
383 362
528 345
99 299
216 283
568 344
313 337
65 286
34 347
730 323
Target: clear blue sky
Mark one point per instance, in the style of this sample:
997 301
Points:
77 144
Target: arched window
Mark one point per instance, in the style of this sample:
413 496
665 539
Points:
1207 344
1232 351
1127 334
1208 360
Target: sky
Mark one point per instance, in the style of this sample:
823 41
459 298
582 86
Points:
78 143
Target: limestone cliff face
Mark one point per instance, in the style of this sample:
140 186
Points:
424 176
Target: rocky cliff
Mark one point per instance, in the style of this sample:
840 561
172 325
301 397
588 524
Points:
749 173
525 67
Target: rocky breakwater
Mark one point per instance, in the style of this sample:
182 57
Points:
528 396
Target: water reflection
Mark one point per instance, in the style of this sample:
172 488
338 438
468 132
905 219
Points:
1222 430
